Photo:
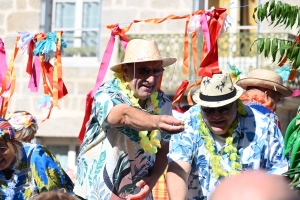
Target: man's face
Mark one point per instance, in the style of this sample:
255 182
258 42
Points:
220 119
144 79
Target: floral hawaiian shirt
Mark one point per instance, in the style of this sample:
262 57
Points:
258 140
37 172
111 160
261 108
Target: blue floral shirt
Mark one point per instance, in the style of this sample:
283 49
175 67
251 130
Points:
38 171
258 140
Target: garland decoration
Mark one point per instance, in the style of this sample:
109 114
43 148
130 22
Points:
149 141
230 149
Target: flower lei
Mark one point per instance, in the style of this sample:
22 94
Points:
11 184
149 142
217 167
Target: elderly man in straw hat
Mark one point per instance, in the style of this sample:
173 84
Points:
264 90
222 137
127 139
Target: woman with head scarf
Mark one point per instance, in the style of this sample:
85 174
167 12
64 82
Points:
27 169
24 124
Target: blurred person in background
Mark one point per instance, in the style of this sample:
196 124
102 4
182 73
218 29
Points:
27 169
264 90
24 124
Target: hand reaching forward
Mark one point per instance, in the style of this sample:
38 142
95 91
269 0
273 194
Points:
169 124
144 184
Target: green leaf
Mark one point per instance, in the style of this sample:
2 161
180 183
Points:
289 49
259 12
255 9
298 18
294 53
297 62
267 47
293 15
260 45
264 11
281 50
274 48
287 19
278 9
272 6
253 44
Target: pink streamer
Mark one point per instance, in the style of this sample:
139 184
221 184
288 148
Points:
106 58
3 63
295 93
205 29
34 81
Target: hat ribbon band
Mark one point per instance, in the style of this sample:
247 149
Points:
218 98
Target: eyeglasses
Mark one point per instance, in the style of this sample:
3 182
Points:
3 150
223 110
144 71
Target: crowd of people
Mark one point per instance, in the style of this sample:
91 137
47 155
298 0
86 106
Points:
228 145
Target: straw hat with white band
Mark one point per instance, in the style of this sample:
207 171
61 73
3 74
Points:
139 50
265 79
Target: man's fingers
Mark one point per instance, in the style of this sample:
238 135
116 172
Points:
144 193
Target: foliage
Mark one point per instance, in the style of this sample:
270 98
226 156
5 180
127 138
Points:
292 150
279 14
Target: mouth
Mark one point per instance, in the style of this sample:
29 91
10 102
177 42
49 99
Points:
148 87
217 123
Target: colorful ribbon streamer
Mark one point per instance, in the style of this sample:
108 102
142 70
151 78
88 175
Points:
115 30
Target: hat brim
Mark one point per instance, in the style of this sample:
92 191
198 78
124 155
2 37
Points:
256 82
214 104
165 62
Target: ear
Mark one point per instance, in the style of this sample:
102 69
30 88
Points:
125 70
266 96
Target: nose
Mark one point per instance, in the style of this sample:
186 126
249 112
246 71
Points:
151 77
217 114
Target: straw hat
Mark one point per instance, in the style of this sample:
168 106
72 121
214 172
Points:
217 91
139 50
265 79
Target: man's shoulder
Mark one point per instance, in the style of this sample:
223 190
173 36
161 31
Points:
256 116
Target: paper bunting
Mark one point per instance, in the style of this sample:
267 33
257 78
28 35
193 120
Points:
41 48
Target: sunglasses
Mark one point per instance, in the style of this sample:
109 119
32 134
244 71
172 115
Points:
144 71
223 110
3 150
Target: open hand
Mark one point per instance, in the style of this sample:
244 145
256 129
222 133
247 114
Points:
144 184
169 124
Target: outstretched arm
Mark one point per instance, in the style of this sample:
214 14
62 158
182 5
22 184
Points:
177 179
147 183
124 115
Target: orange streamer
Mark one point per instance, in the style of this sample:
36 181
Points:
10 78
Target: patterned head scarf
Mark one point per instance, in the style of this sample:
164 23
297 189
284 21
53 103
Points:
20 120
6 130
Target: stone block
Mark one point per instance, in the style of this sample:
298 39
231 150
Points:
107 4
80 72
35 4
21 4
158 4
148 14
23 21
6 4
122 16
137 4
